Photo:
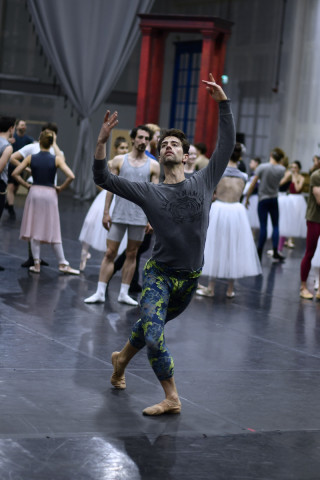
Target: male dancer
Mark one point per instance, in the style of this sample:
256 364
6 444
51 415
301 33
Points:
270 175
178 210
135 166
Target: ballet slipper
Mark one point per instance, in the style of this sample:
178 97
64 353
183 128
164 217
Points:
205 292
230 295
118 381
67 269
36 267
166 406
304 293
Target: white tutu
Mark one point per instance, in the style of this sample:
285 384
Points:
292 213
230 251
253 217
252 211
93 232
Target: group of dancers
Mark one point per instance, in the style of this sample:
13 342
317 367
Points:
230 226
200 224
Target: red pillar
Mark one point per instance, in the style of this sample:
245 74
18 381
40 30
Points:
212 61
220 55
204 104
144 75
155 80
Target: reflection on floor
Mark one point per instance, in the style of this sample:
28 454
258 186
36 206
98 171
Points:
247 370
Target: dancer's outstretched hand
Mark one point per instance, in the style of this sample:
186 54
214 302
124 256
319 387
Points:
109 122
215 90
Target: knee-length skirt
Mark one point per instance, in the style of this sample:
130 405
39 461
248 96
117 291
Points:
41 220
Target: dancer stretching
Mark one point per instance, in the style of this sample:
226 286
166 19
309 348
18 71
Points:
178 210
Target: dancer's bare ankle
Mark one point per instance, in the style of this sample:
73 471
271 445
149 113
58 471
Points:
173 398
121 362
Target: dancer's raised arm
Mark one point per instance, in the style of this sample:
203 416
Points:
109 122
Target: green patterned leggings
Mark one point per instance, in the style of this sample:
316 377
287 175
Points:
166 293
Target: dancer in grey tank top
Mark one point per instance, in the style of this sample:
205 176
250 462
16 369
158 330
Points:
134 167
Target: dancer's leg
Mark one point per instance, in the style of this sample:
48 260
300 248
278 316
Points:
119 361
163 298
64 266
59 253
230 290
263 218
35 248
128 271
106 271
313 233
274 213
85 255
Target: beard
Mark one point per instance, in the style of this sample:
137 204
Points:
169 160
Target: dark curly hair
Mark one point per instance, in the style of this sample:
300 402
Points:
174 132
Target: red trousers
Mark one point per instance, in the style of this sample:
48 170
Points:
313 233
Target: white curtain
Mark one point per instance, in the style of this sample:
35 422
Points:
297 123
88 43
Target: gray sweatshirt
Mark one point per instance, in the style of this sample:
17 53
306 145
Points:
178 213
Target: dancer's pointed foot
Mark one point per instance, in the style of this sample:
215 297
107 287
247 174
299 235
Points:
83 262
166 406
118 379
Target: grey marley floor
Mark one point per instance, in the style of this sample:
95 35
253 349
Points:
247 370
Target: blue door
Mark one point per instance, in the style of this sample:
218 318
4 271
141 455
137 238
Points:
185 87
